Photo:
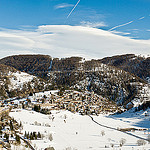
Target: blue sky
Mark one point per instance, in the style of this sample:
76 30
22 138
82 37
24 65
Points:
103 14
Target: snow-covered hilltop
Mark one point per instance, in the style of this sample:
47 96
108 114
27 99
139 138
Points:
18 79
14 83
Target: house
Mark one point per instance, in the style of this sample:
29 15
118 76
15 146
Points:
129 105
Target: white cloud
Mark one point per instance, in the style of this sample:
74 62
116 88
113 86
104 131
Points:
63 5
65 41
120 33
93 24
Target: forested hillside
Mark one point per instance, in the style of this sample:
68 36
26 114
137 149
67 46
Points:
108 81
33 64
137 65
104 77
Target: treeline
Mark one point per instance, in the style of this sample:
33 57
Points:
107 81
32 135
38 108
40 65
66 64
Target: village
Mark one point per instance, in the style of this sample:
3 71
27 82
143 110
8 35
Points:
44 102
84 103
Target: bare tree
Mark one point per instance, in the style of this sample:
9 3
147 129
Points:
102 132
65 116
68 148
42 136
112 145
122 142
141 142
50 137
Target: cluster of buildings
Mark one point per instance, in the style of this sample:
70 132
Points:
74 101
82 102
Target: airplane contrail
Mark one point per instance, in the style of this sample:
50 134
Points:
141 18
73 9
120 26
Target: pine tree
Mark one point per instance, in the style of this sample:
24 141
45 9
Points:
39 135
18 139
25 135
31 136
35 135
11 125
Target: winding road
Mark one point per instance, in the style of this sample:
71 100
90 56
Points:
31 147
117 129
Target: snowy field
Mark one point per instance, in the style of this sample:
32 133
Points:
75 132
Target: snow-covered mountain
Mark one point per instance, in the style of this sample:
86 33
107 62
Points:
109 80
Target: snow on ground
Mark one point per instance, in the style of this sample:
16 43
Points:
77 132
42 94
139 119
18 79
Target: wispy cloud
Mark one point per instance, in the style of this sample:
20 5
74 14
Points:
65 41
93 24
63 5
